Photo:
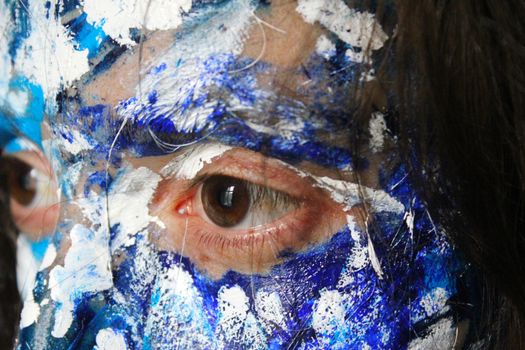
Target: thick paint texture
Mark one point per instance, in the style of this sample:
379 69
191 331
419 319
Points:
385 284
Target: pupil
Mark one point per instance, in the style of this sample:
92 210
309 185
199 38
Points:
225 200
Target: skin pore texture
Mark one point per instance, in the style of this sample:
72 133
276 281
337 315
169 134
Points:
334 250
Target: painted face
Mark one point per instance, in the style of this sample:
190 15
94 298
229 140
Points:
218 189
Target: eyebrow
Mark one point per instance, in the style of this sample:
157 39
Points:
282 127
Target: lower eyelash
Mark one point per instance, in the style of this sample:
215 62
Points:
253 239
250 240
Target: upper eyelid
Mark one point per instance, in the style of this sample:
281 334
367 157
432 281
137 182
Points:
202 178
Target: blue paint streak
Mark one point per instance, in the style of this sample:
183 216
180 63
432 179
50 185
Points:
27 124
87 36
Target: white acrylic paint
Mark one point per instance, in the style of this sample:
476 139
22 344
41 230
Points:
30 313
5 59
358 29
325 47
351 194
377 129
358 258
374 260
118 17
179 307
188 164
17 100
49 257
26 266
108 339
236 322
409 220
129 199
76 142
86 270
233 304
49 56
63 319
435 302
186 62
270 310
347 193
441 335
329 313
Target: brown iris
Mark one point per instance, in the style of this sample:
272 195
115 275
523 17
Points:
21 180
225 200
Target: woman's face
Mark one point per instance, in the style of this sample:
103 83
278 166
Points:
213 194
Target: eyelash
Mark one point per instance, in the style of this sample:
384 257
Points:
259 194
251 240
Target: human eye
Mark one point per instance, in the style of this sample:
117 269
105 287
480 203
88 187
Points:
234 203
243 212
32 190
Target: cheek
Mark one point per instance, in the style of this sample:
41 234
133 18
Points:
301 294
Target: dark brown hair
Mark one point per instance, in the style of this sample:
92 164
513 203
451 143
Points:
9 297
461 89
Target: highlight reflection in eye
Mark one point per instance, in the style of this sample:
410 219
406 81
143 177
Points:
230 202
33 192
242 212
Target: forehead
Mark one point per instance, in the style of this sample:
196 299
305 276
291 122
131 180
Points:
276 34
274 66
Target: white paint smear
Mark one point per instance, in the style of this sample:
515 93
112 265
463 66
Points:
347 193
49 56
17 100
236 322
129 199
187 67
435 302
377 128
358 29
374 260
233 305
325 47
329 313
26 266
441 335
76 142
270 310
5 59
188 164
30 313
358 258
176 318
117 17
108 339
49 257
86 270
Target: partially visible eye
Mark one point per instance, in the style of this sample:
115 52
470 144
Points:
28 185
236 203
33 192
